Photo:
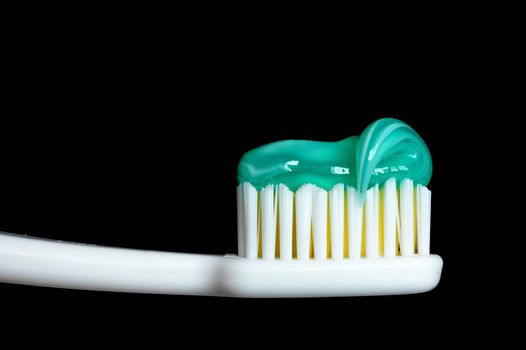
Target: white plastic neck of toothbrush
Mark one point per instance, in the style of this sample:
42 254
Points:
48 263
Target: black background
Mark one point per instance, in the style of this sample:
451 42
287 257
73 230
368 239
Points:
102 140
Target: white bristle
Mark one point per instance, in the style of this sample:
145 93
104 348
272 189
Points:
424 219
336 205
286 218
407 220
303 221
354 219
268 222
319 223
241 248
250 202
371 222
378 215
390 211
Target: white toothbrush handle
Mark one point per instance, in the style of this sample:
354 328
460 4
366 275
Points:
48 263
42 262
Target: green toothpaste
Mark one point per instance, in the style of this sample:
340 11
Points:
387 148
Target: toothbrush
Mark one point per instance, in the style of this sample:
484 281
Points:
315 219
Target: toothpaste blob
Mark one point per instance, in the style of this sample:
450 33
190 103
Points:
387 148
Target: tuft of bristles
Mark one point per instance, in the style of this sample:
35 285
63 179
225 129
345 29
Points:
386 221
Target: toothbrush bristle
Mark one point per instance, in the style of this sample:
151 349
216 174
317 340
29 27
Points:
276 223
